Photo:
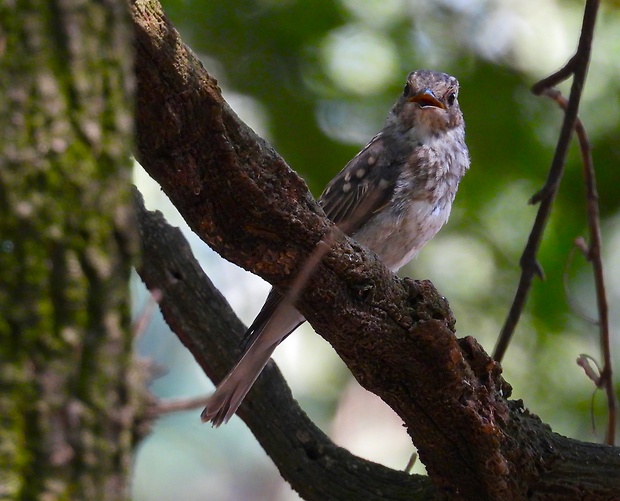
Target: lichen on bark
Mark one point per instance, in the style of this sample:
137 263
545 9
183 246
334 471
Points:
66 248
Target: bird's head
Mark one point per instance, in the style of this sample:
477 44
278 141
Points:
429 102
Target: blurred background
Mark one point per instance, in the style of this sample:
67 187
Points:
317 80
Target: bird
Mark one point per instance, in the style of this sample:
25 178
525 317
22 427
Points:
392 197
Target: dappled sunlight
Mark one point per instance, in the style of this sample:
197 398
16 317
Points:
349 52
365 425
504 218
471 265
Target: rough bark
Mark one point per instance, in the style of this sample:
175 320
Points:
396 336
66 245
306 458
207 326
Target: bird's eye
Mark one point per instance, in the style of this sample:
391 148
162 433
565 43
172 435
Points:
452 98
406 89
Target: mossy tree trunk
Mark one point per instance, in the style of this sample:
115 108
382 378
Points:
68 397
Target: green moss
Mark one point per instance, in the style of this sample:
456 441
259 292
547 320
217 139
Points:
64 173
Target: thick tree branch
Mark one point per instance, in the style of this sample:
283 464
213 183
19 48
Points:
314 466
395 336
207 326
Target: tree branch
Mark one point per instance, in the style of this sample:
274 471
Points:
396 336
208 327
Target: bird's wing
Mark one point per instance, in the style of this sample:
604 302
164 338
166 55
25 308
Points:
362 188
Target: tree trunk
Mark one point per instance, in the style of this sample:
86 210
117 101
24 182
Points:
67 240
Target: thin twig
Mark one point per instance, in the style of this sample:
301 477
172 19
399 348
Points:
580 244
530 267
554 79
176 405
412 461
594 256
583 361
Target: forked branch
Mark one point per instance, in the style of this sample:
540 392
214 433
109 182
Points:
593 254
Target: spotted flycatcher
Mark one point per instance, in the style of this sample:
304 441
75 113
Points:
393 197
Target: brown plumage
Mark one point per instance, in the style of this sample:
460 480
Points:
393 197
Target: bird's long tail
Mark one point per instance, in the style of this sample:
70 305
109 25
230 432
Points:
265 337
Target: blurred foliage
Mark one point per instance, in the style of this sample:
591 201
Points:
317 79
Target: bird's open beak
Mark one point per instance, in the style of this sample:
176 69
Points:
426 98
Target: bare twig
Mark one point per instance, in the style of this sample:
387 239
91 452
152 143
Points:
593 375
580 244
176 405
559 76
593 254
583 361
412 461
578 67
